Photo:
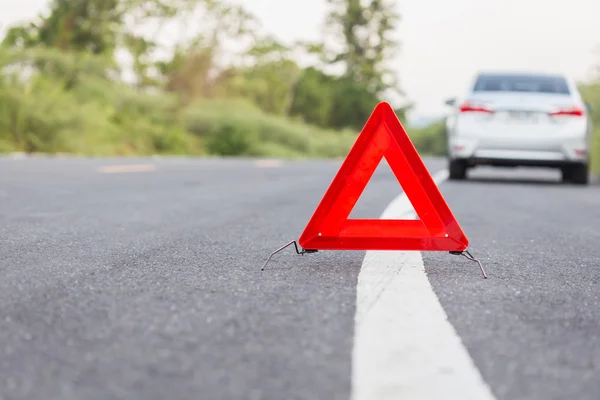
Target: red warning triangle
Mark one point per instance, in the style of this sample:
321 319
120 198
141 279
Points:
331 229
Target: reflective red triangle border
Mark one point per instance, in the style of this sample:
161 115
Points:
330 228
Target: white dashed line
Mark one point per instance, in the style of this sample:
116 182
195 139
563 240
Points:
268 163
17 156
404 346
118 169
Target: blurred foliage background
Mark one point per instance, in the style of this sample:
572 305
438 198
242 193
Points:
62 88
591 92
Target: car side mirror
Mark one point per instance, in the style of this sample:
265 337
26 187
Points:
450 102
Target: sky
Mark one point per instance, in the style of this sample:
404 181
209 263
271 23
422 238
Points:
444 42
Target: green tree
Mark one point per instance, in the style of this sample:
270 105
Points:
61 88
363 30
193 70
82 25
268 77
99 27
313 97
359 41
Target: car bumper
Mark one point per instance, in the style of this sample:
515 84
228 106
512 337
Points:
551 153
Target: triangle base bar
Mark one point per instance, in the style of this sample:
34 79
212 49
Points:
406 243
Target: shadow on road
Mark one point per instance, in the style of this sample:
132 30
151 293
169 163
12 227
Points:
529 177
515 181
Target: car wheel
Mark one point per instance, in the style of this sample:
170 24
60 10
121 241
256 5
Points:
458 170
580 174
565 174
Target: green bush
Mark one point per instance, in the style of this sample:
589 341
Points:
95 117
6 146
596 151
591 93
37 116
70 105
332 146
205 118
249 131
430 140
274 150
231 139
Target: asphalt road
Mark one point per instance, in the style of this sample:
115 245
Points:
147 285
533 328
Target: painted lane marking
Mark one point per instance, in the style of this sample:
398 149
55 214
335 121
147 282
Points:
267 163
17 155
404 346
118 169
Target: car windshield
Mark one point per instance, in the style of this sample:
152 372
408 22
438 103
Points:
521 83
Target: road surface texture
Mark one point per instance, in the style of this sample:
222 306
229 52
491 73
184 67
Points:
533 328
144 282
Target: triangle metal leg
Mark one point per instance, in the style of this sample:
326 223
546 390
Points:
470 257
298 251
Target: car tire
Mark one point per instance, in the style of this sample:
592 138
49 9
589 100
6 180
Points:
565 174
457 170
580 174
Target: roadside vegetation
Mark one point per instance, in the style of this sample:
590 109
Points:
63 85
82 78
591 93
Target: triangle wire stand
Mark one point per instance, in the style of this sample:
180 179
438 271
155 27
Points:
293 242
470 257
301 252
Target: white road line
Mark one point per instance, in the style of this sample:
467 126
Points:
268 163
119 169
404 345
18 155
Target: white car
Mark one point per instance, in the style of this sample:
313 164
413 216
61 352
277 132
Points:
520 119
